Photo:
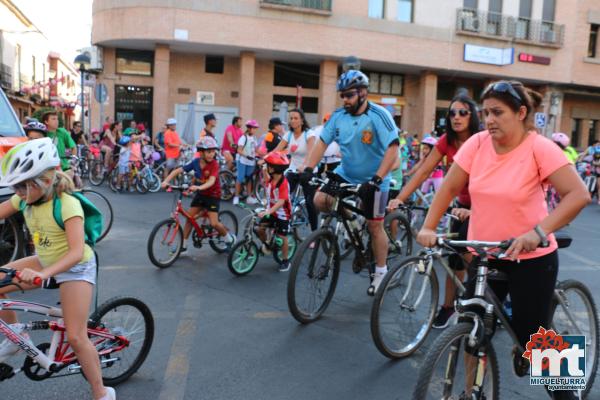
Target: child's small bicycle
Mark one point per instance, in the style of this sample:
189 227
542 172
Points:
166 239
244 254
122 330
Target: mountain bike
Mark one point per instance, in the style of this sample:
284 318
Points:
244 255
316 266
121 329
462 362
166 239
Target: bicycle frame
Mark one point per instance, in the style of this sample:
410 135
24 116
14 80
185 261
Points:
197 228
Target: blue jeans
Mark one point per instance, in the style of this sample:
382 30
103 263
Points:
244 172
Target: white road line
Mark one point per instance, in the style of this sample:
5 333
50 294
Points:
176 374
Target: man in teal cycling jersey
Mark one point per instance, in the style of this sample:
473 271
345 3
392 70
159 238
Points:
368 141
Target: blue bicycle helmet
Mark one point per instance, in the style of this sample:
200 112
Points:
124 140
352 79
35 125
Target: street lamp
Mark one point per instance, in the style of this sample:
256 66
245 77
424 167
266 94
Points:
350 62
83 62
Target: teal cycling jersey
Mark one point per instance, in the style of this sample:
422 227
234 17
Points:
363 141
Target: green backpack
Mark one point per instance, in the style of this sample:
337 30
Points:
92 217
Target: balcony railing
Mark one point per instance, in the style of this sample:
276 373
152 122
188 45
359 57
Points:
481 23
318 6
6 76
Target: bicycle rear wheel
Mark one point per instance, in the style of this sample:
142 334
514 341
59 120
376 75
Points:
292 246
103 204
12 239
229 220
313 277
132 319
404 308
227 180
400 237
96 174
165 243
447 367
574 313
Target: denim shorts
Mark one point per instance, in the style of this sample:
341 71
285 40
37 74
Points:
244 172
85 271
123 169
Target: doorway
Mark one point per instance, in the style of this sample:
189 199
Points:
133 103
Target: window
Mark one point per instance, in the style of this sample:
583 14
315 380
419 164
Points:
376 9
522 28
525 9
472 4
592 132
404 10
494 23
548 10
593 42
214 64
292 75
310 105
135 62
382 83
575 133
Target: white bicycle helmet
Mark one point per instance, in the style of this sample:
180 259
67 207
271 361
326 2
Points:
28 160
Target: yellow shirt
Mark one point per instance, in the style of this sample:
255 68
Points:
50 240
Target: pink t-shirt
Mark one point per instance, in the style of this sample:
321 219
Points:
507 197
449 151
236 133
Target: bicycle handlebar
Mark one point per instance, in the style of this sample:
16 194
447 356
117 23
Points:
348 187
13 273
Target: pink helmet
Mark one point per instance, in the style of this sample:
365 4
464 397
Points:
430 140
251 123
561 138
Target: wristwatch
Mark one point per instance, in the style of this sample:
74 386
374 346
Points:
544 239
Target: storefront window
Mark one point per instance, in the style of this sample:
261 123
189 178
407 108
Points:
576 125
383 83
292 75
135 62
310 105
133 103
592 132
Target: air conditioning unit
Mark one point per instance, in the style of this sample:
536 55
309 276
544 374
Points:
95 54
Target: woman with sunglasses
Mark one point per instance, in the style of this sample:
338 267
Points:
506 167
30 169
462 122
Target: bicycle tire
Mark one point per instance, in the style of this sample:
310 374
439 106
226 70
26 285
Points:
177 243
292 247
400 243
216 243
96 175
591 322
154 184
141 185
299 222
344 244
12 239
323 239
113 179
403 303
449 338
99 318
239 254
108 216
227 180
260 192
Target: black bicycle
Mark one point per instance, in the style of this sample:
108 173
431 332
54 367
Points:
462 362
316 265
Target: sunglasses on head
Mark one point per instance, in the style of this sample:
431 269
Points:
348 95
462 112
503 87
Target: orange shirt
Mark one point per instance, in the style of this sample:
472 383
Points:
507 197
172 137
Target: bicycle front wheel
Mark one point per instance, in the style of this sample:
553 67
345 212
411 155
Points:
399 234
103 204
12 239
575 313
227 180
292 246
229 221
131 319
243 258
165 243
313 277
449 372
96 174
404 308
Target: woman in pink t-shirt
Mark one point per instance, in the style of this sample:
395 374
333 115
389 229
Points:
230 139
462 122
505 167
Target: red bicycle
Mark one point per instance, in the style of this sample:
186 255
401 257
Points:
166 239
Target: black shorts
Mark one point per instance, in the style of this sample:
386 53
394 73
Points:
281 226
462 228
373 207
206 202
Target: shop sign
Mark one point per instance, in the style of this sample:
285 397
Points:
205 98
489 55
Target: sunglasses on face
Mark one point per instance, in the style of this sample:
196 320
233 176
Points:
348 95
503 87
462 112
19 187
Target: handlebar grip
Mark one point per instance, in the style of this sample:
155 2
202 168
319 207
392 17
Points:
37 281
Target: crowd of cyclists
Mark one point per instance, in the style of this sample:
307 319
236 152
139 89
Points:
490 167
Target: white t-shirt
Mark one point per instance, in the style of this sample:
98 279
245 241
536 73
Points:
248 145
298 148
332 153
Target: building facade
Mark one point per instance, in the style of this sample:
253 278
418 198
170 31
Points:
31 74
254 57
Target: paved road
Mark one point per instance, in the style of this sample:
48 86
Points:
221 337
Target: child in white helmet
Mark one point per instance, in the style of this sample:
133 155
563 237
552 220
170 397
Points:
30 169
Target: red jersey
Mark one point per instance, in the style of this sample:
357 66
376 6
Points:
280 191
202 174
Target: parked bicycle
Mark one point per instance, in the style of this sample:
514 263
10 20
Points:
166 239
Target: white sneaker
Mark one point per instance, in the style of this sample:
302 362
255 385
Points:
377 278
236 200
251 200
229 238
110 394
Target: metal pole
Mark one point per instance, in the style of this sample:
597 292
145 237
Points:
81 71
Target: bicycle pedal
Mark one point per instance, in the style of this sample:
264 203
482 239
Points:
6 372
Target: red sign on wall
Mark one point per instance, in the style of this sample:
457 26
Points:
530 58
